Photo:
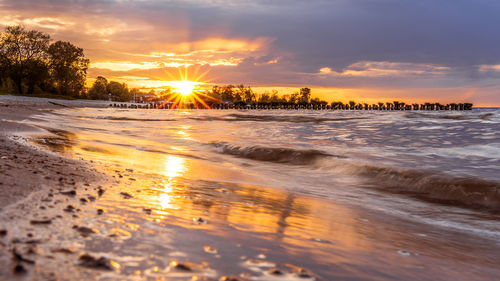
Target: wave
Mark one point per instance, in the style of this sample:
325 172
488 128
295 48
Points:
430 186
269 118
485 116
273 154
433 186
132 119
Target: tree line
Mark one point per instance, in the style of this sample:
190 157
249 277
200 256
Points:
31 63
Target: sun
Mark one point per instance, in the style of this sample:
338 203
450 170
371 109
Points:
186 91
185 88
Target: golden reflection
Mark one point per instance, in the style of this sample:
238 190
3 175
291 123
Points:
174 166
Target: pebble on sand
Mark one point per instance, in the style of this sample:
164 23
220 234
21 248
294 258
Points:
126 195
85 231
69 193
35 222
101 263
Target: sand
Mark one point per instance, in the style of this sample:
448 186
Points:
27 174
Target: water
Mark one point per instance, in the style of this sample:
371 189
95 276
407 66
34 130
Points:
348 195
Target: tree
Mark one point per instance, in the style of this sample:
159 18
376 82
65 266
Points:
68 68
99 90
264 97
305 95
227 93
119 91
22 53
37 73
246 94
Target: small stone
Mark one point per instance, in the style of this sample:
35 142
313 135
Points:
3 232
100 211
85 231
275 271
91 198
69 193
147 211
126 195
100 191
35 222
200 220
83 200
69 209
19 269
210 250
101 263
180 266
404 253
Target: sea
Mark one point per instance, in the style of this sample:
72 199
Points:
290 194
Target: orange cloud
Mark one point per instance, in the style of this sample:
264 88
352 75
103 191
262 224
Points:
383 68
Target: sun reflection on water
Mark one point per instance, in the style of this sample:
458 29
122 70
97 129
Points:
174 167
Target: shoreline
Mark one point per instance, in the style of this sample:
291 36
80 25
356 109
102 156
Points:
30 175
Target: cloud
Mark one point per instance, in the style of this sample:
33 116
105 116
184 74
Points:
382 44
387 69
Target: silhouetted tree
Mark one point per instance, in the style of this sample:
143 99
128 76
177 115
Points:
118 91
305 95
99 91
22 52
68 68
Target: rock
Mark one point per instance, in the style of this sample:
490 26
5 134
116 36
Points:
179 266
200 220
91 198
100 191
101 263
85 231
404 253
19 269
69 193
147 211
35 222
69 209
126 195
3 232
100 211
275 271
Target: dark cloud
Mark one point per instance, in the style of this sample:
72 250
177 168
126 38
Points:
459 35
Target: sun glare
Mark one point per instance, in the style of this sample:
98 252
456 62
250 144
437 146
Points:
184 88
186 91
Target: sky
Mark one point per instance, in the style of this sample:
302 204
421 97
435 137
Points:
364 50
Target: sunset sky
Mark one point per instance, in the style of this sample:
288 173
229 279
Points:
367 50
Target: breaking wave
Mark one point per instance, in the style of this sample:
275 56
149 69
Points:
273 154
425 185
485 116
132 119
431 186
274 118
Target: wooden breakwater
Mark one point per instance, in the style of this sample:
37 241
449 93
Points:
277 106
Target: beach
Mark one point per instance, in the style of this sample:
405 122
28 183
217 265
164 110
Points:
95 193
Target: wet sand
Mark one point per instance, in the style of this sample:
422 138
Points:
69 219
30 175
